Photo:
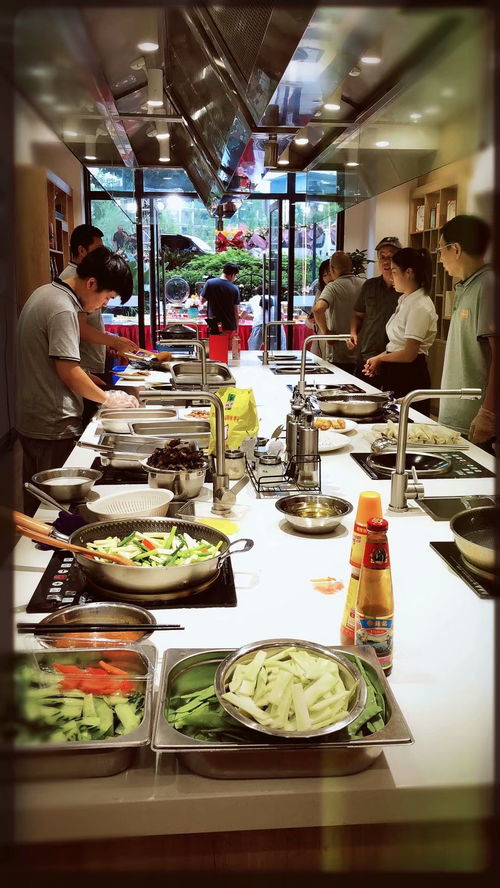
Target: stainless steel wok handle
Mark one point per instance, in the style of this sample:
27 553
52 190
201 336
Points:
103 448
231 550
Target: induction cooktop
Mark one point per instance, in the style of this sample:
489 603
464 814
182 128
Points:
462 466
483 586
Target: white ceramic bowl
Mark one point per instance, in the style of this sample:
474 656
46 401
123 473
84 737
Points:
143 503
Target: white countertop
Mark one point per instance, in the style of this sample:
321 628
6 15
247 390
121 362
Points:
442 676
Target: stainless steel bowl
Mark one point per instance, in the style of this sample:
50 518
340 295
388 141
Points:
351 405
185 485
101 612
293 507
177 581
349 673
79 483
476 535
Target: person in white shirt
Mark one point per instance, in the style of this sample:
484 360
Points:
411 330
257 304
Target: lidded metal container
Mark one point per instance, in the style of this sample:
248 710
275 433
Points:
268 466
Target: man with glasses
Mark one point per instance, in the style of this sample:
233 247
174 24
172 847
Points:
469 360
374 306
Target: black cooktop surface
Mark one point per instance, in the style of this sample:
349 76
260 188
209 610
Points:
448 551
462 466
64 583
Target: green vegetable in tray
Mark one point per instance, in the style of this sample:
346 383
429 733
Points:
42 712
158 549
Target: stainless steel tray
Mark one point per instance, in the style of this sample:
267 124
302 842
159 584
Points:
96 758
188 374
118 421
265 758
126 450
188 429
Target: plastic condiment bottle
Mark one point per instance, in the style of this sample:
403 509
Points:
374 618
236 348
369 506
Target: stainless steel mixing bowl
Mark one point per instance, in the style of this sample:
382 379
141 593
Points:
293 505
79 483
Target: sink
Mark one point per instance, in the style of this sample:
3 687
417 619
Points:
188 430
187 374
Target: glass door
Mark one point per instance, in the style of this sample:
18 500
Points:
272 309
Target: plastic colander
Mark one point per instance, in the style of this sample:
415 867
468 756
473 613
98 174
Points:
148 503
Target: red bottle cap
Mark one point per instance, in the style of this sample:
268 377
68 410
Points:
377 524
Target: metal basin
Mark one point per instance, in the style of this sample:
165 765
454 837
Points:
123 451
119 421
313 512
67 485
96 612
188 374
176 580
189 429
351 405
476 535
184 484
426 464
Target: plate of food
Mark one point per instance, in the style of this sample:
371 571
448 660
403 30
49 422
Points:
330 440
196 413
335 424
427 436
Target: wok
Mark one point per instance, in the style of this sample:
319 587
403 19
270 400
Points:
177 580
425 464
475 531
351 405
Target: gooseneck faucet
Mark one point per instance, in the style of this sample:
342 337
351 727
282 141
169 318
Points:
402 488
200 348
316 337
265 357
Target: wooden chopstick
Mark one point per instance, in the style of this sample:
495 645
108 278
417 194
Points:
38 629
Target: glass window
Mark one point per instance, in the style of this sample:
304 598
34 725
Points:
272 183
111 179
318 182
119 234
167 180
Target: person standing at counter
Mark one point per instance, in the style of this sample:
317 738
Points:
375 305
94 339
470 355
411 330
334 307
51 384
223 298
324 278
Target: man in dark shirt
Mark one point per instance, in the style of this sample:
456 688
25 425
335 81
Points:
222 297
375 304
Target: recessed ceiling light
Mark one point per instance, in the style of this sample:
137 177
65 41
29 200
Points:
90 157
69 134
148 46
164 159
370 60
352 163
355 72
331 106
162 136
301 140
283 161
415 116
382 144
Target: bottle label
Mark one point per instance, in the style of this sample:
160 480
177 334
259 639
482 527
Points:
358 545
376 556
349 615
377 632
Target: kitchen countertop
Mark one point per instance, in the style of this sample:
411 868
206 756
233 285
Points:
447 774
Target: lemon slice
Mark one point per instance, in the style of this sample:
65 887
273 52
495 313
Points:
222 524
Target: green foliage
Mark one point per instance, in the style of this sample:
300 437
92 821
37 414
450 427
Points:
359 261
175 258
250 269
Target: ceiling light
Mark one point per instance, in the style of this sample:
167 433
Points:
352 157
271 152
331 106
352 163
371 59
284 160
161 131
301 140
355 72
148 46
382 144
90 148
198 113
373 55
164 151
155 87
69 134
415 116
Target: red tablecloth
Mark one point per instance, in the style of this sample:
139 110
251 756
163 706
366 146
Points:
131 331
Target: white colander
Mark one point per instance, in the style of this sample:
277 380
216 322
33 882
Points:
147 503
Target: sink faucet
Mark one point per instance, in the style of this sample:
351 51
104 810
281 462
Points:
220 479
402 488
265 359
201 349
317 337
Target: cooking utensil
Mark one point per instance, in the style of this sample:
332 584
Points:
349 674
185 484
475 533
72 485
277 432
148 580
69 547
46 499
123 451
351 404
296 506
134 504
40 629
425 464
118 421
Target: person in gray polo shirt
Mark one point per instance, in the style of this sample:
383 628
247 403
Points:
51 384
469 359
333 309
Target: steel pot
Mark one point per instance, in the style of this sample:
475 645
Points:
176 580
351 405
426 465
474 531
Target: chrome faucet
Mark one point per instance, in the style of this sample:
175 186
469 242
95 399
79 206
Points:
317 337
265 359
201 349
402 488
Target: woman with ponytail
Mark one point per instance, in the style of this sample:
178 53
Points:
411 329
